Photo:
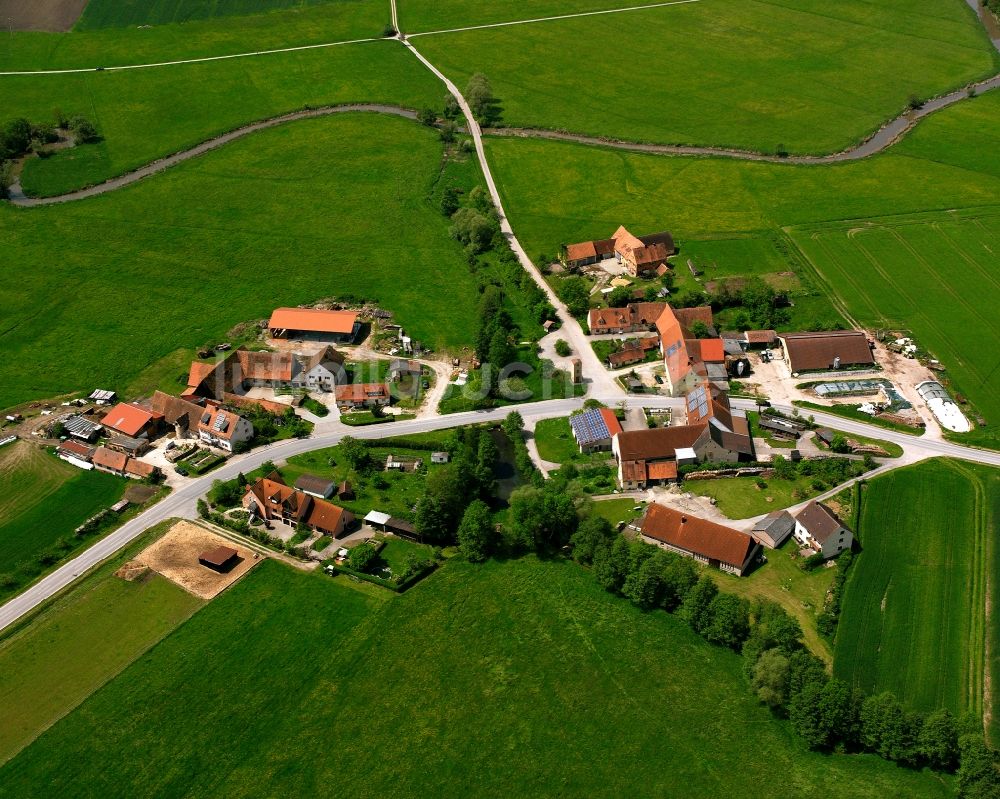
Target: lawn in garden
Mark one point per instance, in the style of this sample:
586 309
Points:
468 669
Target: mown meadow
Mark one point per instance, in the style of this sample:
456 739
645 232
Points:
126 13
319 208
145 114
799 76
300 684
43 500
106 623
109 33
913 618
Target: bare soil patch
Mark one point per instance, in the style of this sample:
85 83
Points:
40 15
175 556
137 493
132 571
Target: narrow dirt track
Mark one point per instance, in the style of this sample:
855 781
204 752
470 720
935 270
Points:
17 196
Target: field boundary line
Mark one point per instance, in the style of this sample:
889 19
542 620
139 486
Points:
550 19
200 60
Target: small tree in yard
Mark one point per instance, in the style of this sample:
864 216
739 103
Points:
451 107
476 532
563 348
700 330
362 557
839 444
427 116
355 452
619 297
479 94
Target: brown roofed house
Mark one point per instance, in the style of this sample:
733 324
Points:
107 460
817 527
220 559
271 499
705 541
836 349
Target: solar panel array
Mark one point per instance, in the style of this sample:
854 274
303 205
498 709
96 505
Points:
221 423
697 402
589 426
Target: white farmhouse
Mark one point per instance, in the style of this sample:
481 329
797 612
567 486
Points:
817 527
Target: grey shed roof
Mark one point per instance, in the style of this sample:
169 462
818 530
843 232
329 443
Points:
776 524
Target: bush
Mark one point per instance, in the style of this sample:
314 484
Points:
563 348
83 130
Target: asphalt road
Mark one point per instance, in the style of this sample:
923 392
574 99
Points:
182 502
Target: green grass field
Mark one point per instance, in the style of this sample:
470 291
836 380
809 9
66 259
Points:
143 115
432 15
912 618
935 276
45 499
87 46
105 623
126 13
792 75
283 661
289 215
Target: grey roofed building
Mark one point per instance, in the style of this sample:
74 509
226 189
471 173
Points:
103 397
315 486
773 530
81 428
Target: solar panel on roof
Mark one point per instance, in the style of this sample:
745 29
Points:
221 423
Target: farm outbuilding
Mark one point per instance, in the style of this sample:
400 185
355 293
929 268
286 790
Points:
304 323
220 559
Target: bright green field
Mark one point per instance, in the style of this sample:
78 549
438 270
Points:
312 209
433 15
128 13
341 20
43 499
912 618
935 275
146 114
805 76
105 622
292 684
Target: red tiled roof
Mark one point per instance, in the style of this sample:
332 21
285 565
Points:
686 317
129 419
660 443
266 365
199 372
662 470
359 392
696 535
760 336
77 450
109 459
139 469
712 350
581 251
313 320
